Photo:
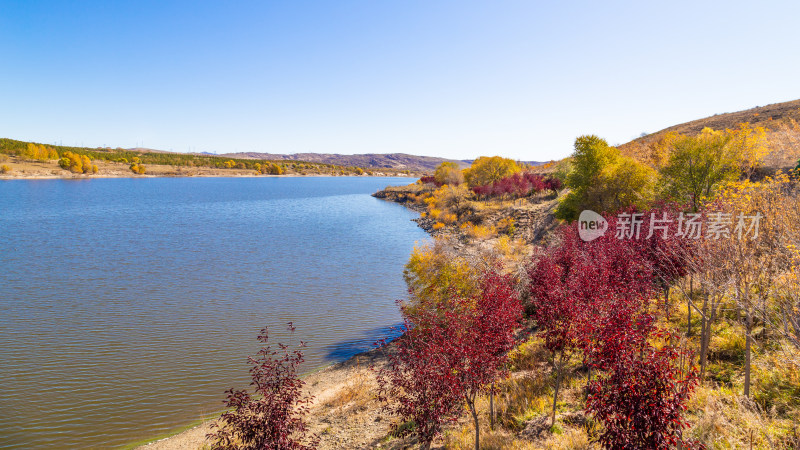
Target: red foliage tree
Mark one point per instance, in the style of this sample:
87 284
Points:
419 376
450 352
594 297
517 185
481 349
429 179
273 419
575 284
641 401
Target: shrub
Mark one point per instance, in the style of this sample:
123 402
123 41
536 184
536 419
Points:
5 169
448 173
434 273
76 163
138 168
481 232
518 185
273 417
641 402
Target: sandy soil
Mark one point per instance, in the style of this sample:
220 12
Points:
344 412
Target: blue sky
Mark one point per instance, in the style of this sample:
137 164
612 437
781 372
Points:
457 79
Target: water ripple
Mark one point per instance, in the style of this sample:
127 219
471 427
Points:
127 307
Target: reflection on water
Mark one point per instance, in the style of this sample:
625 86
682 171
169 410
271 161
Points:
366 340
128 306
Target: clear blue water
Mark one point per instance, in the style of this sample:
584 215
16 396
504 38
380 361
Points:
128 306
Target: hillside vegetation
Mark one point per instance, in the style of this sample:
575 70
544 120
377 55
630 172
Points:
779 120
20 156
677 326
663 334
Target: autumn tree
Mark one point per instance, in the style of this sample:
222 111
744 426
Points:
450 353
453 198
39 152
761 230
435 273
136 166
697 166
448 173
418 383
556 311
749 145
5 169
640 402
272 418
486 170
270 168
76 163
602 180
482 350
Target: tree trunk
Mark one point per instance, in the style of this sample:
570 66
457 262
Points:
705 331
689 306
555 395
588 380
491 407
475 421
748 340
666 299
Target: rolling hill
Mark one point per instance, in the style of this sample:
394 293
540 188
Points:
781 120
399 161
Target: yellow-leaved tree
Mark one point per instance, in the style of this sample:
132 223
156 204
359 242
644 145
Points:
697 166
448 173
39 152
749 146
488 169
435 273
76 163
758 255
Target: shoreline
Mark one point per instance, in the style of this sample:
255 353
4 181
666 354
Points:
193 435
323 383
104 176
18 168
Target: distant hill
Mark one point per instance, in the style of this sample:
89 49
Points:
780 119
399 161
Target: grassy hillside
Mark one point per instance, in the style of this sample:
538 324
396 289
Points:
781 120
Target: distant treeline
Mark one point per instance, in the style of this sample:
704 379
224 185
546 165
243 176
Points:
42 152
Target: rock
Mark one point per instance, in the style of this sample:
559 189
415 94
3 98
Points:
536 429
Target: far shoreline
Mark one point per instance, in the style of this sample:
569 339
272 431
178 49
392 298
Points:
135 176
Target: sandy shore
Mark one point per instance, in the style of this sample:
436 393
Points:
344 412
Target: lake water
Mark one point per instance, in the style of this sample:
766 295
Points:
128 306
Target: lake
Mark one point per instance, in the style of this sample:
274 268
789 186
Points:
128 306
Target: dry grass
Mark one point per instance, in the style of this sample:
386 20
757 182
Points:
357 392
721 418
